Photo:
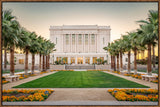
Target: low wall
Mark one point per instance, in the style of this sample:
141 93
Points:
103 67
57 67
22 66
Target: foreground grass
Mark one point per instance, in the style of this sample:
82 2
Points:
80 79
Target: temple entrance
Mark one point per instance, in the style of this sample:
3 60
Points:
80 60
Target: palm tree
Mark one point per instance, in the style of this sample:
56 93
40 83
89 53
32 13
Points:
25 44
153 22
110 49
7 28
122 50
134 43
147 38
127 42
34 49
117 51
40 51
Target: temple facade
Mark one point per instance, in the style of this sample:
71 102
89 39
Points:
80 44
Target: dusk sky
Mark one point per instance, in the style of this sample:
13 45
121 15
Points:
120 16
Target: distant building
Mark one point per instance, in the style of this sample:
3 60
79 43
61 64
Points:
80 44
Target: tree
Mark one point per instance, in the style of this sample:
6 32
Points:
40 51
122 50
34 49
127 46
7 29
147 38
12 42
152 22
25 44
134 43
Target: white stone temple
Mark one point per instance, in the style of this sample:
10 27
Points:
80 44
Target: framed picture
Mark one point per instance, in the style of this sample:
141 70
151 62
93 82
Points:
80 53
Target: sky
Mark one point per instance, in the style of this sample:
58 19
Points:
120 16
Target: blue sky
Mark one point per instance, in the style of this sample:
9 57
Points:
120 16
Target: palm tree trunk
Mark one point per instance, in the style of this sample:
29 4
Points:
114 64
48 61
121 62
40 62
149 66
26 62
33 60
12 61
118 62
153 58
129 56
43 63
135 59
111 62
5 59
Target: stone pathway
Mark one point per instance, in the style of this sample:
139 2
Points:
81 94
15 83
146 83
92 103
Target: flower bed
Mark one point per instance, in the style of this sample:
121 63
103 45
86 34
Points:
4 81
25 95
135 94
155 81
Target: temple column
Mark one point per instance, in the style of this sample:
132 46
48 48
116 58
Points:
69 60
84 60
76 60
71 42
89 38
91 61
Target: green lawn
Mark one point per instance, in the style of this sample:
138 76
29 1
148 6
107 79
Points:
80 79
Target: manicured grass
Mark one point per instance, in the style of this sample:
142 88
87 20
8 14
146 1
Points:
80 79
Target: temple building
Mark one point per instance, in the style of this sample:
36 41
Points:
80 44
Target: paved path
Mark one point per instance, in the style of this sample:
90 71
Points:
149 104
10 85
146 83
81 94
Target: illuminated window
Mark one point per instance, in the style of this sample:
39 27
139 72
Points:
102 60
65 60
80 39
93 39
21 61
87 60
73 39
58 59
67 39
94 60
86 39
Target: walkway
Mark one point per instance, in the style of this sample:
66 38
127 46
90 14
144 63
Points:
146 83
81 94
83 103
12 84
